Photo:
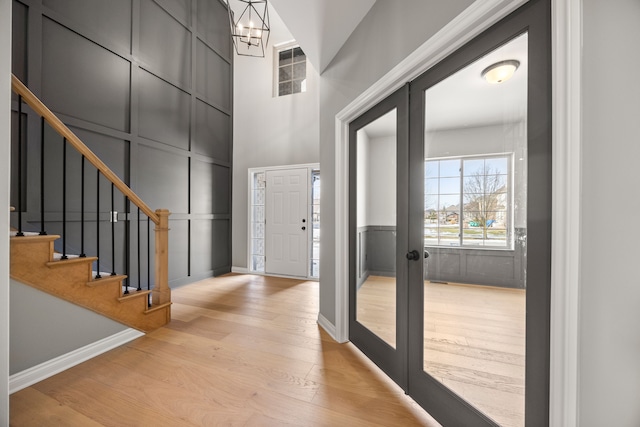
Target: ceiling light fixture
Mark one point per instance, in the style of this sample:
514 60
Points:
250 31
501 71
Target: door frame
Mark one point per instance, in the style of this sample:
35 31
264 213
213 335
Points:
566 169
250 171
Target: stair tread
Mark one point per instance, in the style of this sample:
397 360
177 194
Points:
133 294
77 260
158 307
105 278
32 237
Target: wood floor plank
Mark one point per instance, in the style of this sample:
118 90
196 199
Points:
373 410
162 397
248 367
30 407
289 411
103 404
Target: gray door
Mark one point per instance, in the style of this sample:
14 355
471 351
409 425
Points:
378 232
480 205
465 331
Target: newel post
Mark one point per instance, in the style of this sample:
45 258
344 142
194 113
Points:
161 292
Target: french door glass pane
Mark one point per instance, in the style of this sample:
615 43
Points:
475 203
376 227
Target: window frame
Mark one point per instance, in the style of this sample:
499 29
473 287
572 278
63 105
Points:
509 211
277 49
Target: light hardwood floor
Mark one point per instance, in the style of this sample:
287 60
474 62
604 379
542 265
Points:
241 350
474 340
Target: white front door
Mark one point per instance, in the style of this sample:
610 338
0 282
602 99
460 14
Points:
287 222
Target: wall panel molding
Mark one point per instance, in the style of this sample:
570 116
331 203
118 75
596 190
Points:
133 87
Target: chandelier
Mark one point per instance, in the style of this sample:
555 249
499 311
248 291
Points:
250 30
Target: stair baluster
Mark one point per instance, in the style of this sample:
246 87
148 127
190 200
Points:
42 230
113 218
98 276
138 248
19 233
82 253
149 259
127 239
64 198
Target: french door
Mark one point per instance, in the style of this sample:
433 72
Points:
379 229
450 207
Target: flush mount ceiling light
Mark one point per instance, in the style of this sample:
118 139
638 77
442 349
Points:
500 71
250 31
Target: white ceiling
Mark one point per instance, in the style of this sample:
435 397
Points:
321 26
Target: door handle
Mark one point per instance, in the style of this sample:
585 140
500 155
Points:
426 254
304 228
413 255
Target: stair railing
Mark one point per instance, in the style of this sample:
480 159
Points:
161 293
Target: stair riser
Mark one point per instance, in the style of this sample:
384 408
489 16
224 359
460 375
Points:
36 252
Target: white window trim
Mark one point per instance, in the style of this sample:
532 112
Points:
250 172
566 184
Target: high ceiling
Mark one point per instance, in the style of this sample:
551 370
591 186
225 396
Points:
321 26
464 99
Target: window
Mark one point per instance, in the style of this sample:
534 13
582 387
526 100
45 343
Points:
467 202
257 221
315 223
292 71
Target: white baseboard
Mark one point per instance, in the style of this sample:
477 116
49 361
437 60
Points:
51 367
329 327
241 270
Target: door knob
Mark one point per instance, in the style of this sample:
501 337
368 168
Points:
304 228
426 254
413 255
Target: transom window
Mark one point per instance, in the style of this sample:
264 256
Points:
292 71
467 202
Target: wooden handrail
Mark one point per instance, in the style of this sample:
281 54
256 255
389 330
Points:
62 129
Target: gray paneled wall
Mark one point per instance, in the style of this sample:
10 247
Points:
376 255
147 85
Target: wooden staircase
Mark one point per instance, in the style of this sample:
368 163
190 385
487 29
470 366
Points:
33 263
